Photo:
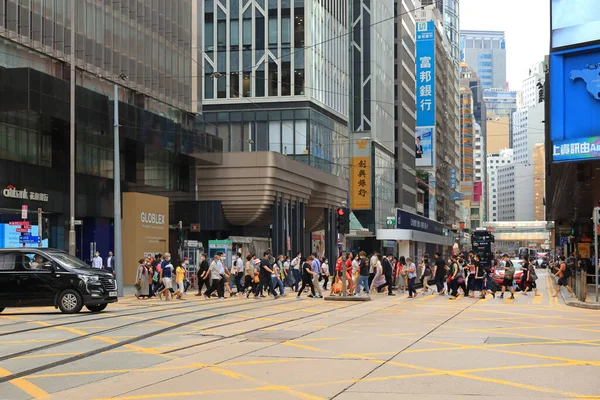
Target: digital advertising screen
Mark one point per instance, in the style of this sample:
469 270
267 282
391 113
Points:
575 22
9 237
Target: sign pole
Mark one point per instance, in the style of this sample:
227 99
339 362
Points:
344 280
40 227
118 254
595 218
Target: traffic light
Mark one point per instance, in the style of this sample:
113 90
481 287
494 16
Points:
180 232
343 220
45 228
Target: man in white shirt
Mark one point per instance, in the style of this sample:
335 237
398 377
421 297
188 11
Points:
221 288
97 261
372 267
110 263
297 273
238 272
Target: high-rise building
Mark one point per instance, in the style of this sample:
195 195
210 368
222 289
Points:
532 92
372 81
499 107
494 162
528 131
405 104
150 52
276 91
515 192
485 52
438 115
450 10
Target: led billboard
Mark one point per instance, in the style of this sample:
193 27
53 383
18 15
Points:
575 22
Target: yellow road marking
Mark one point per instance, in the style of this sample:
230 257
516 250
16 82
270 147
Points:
25 386
230 374
300 346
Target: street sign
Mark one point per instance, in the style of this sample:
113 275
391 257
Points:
77 222
390 221
23 230
192 243
29 239
564 240
25 234
24 209
19 223
194 227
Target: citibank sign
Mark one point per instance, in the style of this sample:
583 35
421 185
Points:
151 218
13 193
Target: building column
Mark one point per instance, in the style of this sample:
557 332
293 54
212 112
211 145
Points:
294 225
275 224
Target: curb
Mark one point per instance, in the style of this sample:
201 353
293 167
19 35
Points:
576 303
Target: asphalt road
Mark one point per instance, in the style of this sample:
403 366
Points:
423 348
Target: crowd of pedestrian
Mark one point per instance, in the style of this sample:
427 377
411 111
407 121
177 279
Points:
456 276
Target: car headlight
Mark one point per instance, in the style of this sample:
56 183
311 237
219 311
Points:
89 279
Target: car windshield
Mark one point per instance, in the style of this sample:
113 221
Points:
517 264
69 261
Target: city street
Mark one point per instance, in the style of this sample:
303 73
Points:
425 348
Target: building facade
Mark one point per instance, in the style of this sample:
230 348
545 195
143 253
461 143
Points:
443 118
450 10
495 161
515 192
372 81
148 50
405 105
539 182
532 91
528 131
485 52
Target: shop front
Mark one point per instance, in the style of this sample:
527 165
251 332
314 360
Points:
415 236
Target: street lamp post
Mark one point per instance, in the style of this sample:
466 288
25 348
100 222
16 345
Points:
72 245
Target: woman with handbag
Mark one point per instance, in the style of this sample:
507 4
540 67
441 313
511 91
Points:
531 276
141 281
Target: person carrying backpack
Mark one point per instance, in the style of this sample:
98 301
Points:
509 275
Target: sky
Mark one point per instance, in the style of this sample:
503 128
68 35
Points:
526 24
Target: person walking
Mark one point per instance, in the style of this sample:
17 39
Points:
388 270
373 267
265 276
97 261
307 278
563 275
439 273
316 268
166 274
411 274
400 274
529 269
215 276
277 283
141 279
479 277
325 274
297 268
364 273
453 278
238 272
509 275
426 273
379 277
202 274
180 272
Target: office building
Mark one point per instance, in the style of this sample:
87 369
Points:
499 108
485 52
495 161
528 131
450 10
438 115
515 192
276 91
532 92
149 51
405 105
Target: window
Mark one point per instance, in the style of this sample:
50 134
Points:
247 30
235 33
209 38
247 85
33 261
272 31
8 261
285 31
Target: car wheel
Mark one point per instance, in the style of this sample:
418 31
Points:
96 307
70 302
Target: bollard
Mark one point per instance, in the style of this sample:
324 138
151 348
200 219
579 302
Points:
583 285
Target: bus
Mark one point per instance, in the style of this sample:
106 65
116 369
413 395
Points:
482 244
527 251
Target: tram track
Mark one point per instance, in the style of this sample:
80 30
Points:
144 336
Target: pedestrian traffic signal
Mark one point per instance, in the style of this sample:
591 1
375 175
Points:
343 220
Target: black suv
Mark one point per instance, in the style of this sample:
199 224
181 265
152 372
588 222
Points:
50 277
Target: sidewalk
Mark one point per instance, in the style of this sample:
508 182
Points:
590 300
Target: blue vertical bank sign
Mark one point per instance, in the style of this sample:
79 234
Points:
424 141
575 104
